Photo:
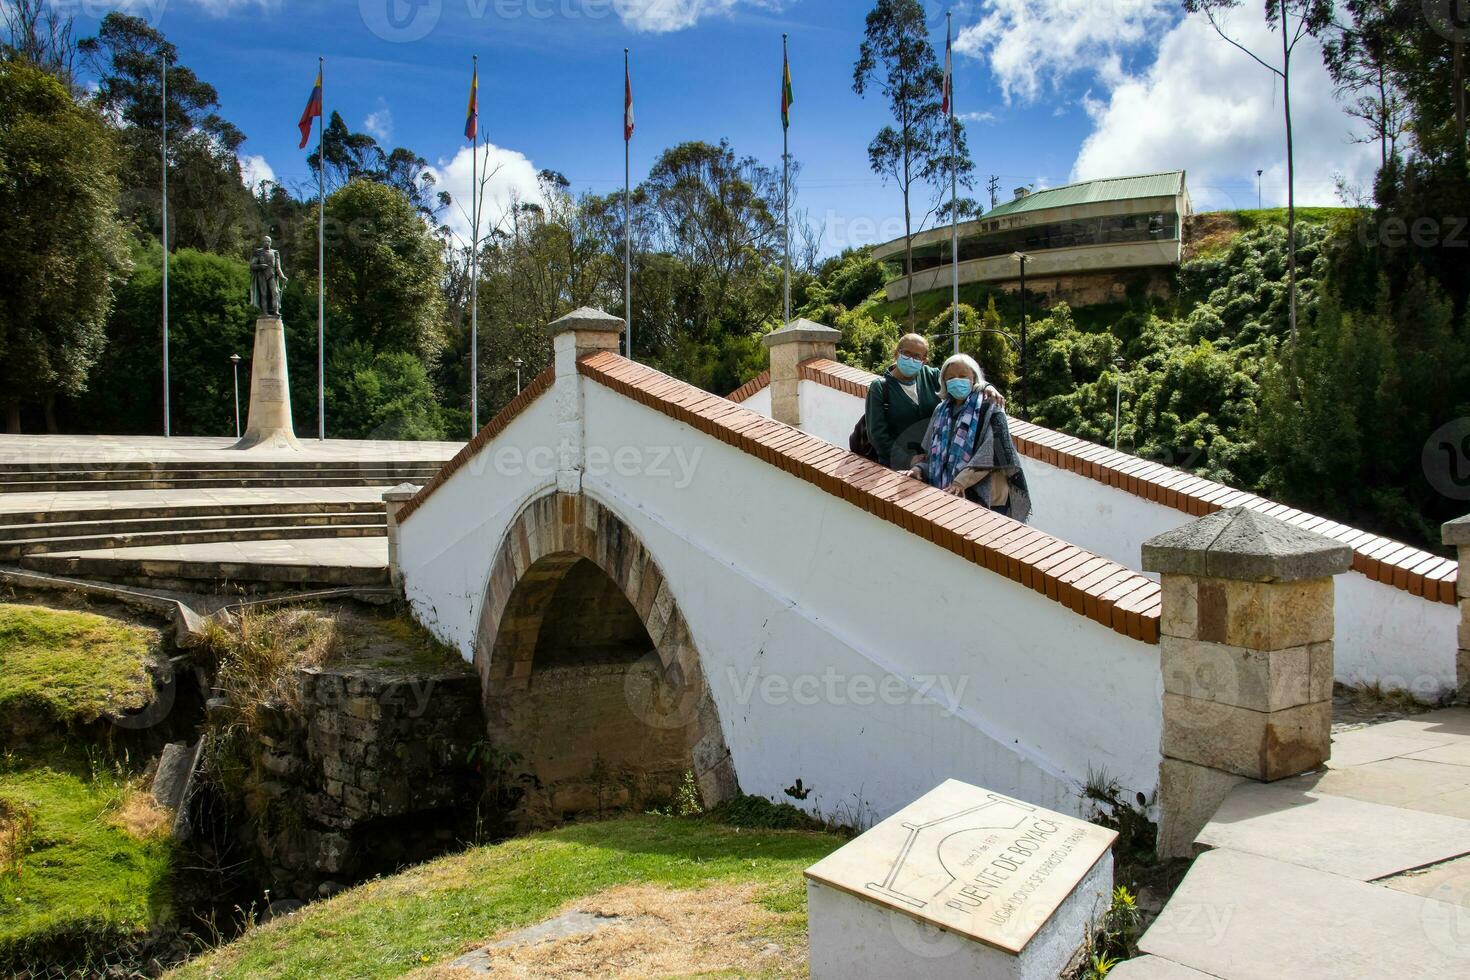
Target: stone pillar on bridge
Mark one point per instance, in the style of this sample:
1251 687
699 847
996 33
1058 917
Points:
582 331
799 340
1246 651
1457 533
393 501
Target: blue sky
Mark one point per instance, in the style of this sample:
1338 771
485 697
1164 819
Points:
1055 90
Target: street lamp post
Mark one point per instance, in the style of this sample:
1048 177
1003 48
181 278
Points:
1021 257
1118 401
517 362
1258 189
235 363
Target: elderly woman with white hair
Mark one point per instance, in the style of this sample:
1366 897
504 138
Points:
968 449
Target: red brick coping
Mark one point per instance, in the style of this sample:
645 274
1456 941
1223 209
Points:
1100 589
751 387
493 428
1381 559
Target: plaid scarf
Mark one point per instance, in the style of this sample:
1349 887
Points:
955 435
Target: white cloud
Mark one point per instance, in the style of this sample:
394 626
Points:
379 123
514 176
1207 108
1032 42
662 16
976 117
254 169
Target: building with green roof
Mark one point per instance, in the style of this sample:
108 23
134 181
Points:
1076 239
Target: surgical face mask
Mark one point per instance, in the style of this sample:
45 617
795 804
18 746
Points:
909 367
959 387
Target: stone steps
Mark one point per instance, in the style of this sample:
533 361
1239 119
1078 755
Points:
13 521
8 469
208 574
50 537
205 480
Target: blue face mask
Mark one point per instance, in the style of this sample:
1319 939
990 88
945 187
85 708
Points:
909 367
959 387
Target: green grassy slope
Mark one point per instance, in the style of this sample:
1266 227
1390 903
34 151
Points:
430 913
73 666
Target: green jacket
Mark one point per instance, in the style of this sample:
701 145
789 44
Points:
895 424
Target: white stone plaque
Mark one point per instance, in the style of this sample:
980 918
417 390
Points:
976 864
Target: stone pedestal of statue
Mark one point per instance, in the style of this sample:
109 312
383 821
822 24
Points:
269 425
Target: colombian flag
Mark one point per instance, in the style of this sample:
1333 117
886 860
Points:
787 97
312 111
472 114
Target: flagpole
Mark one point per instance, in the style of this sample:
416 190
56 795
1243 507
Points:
786 180
627 219
954 183
321 258
163 78
475 259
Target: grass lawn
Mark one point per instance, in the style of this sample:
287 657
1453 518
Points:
84 859
1251 219
71 665
431 913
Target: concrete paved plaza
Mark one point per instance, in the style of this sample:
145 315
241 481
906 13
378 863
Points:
1358 870
41 451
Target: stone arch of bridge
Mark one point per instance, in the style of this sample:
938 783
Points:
591 679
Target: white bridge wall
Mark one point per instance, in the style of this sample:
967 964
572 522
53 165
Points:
841 650
1384 635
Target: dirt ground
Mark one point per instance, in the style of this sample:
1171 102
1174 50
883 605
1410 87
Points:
658 933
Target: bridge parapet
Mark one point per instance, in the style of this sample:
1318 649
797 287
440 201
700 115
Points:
1457 533
1246 654
1397 620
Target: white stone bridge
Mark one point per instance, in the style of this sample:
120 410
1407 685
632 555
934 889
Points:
651 579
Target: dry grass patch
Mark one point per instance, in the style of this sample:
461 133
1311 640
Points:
659 932
138 816
259 653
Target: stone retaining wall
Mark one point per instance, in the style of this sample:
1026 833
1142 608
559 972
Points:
371 772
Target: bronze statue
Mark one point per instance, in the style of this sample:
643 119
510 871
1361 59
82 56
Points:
267 279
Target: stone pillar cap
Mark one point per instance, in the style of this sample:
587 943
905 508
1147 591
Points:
801 330
1245 545
404 491
1457 531
587 318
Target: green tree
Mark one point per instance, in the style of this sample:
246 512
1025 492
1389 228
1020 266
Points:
897 58
380 395
1292 20
384 271
61 246
209 206
210 318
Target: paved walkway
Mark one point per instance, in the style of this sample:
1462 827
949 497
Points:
55 450
368 552
1359 870
222 497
